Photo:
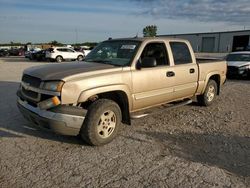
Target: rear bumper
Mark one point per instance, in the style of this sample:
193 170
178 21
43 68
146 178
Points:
56 120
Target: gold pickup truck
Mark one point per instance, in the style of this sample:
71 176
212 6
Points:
116 82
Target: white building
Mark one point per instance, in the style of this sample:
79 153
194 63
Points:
218 42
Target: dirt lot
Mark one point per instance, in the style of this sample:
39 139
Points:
190 146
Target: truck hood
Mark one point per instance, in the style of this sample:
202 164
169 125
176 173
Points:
238 63
60 71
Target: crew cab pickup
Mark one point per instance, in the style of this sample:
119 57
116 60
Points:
118 80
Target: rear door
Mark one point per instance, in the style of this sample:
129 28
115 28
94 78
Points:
63 52
185 70
152 86
71 53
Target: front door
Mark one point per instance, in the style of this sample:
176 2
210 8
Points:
153 85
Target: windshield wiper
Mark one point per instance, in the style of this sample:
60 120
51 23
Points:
101 61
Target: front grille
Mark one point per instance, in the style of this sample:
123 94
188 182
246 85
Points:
30 96
29 93
32 81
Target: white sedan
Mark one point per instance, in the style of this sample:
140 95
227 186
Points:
238 64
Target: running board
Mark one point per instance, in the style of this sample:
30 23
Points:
182 103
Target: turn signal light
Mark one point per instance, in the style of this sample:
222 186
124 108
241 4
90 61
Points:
49 103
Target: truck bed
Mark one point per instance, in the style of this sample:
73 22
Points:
208 60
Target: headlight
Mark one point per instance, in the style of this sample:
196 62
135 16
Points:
244 67
53 85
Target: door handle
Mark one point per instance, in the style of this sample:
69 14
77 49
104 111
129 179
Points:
170 74
191 71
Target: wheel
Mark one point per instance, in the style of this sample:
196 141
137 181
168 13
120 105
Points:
31 57
209 95
59 59
80 58
102 122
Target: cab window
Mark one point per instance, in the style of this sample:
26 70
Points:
181 53
157 51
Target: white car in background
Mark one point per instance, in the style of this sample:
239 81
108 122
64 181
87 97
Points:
86 51
238 64
60 54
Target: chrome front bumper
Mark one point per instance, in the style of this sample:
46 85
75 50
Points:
65 124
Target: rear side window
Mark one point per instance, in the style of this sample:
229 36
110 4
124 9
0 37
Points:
181 53
50 49
61 49
69 50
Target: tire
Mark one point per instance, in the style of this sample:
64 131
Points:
31 57
102 122
80 58
59 59
209 95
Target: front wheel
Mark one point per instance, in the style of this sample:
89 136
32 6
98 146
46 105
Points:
209 95
102 122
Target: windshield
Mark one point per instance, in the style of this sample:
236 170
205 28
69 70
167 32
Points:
118 53
238 57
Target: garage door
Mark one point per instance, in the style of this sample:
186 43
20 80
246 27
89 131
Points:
208 44
240 42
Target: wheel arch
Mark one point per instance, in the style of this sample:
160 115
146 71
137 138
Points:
116 93
80 55
216 77
59 56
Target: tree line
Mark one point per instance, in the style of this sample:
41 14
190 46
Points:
148 31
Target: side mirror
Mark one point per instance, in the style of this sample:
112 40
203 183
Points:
148 62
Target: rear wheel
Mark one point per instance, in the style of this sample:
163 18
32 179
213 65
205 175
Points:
209 95
102 122
59 59
80 58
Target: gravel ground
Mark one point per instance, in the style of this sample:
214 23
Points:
190 146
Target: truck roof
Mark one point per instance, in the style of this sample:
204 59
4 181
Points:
142 39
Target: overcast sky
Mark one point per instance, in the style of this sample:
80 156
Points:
72 21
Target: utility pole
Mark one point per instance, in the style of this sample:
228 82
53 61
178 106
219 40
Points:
76 32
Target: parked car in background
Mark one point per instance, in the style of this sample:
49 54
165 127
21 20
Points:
238 64
84 50
40 55
60 54
29 54
4 52
87 51
16 51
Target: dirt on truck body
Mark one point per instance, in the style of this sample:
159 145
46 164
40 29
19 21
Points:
117 81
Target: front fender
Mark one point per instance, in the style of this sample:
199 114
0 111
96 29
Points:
85 95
